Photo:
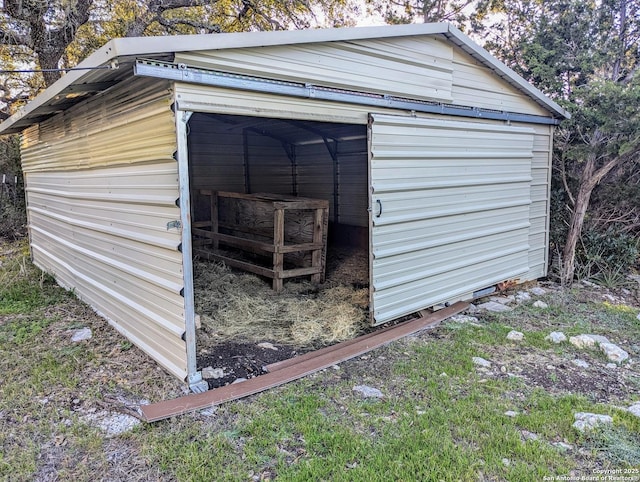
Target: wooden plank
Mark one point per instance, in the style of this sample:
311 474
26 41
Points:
316 255
321 351
252 268
199 401
294 248
237 241
201 224
292 273
258 245
278 242
308 204
280 201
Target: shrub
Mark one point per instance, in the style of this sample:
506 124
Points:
12 203
606 255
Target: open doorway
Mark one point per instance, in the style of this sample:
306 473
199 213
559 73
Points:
238 164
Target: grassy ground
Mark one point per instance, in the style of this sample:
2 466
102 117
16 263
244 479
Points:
441 417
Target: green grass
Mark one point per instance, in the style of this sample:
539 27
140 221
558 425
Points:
441 417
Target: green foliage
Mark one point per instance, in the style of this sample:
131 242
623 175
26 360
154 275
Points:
24 288
12 202
607 254
605 122
616 445
410 11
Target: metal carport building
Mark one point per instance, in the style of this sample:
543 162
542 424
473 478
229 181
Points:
450 177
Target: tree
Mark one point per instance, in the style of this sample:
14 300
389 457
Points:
603 134
45 28
585 55
411 11
57 34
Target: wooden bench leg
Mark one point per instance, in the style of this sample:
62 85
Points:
317 260
278 241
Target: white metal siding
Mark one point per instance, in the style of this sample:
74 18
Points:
421 67
539 210
475 85
417 67
210 99
455 202
102 185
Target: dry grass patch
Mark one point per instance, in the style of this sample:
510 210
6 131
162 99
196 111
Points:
236 304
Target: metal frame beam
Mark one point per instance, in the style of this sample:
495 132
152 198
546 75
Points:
183 73
194 377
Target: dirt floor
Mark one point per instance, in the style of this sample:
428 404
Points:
240 314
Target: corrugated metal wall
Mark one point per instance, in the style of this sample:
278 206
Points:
451 207
418 67
425 67
216 155
475 85
220 161
471 84
101 186
539 209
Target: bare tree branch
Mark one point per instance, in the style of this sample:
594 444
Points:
14 38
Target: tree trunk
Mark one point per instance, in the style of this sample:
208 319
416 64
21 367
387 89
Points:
588 181
575 228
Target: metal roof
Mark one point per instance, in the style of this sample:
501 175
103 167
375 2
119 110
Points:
77 85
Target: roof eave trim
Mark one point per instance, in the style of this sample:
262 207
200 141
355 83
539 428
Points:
103 56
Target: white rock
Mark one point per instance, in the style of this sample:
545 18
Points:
563 445
464 319
588 283
530 435
511 413
580 363
587 421
611 366
494 307
540 304
506 462
522 296
638 317
582 341
550 367
556 337
481 362
209 412
267 346
599 338
614 352
514 335
238 380
537 291
503 300
635 409
472 308
112 423
211 372
81 335
368 392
